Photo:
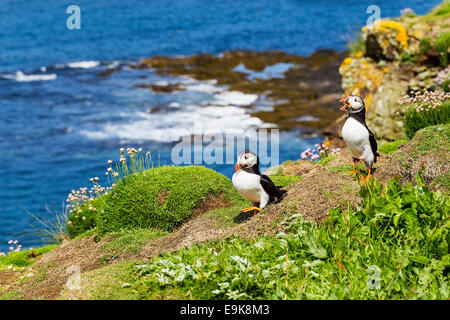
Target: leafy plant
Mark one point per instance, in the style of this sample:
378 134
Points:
425 44
442 44
446 85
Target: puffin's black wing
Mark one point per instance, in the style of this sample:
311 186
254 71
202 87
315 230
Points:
274 192
373 145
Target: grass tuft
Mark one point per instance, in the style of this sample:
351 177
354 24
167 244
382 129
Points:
161 198
25 258
391 147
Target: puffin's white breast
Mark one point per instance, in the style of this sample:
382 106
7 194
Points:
356 136
248 184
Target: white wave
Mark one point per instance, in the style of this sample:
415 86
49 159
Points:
19 76
203 87
83 64
190 120
235 98
307 118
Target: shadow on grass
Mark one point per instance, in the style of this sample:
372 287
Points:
243 217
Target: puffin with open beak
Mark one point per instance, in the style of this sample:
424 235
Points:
254 186
360 140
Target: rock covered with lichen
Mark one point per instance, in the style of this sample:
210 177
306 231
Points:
394 57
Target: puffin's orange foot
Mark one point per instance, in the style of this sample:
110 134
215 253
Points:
363 180
353 171
251 209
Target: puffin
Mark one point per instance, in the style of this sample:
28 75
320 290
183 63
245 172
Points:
254 186
360 141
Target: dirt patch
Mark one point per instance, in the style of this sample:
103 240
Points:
52 271
298 168
212 202
7 278
162 197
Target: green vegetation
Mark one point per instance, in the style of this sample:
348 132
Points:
85 216
442 44
406 57
347 168
284 181
430 140
324 160
425 44
394 247
358 46
446 86
443 180
131 241
161 198
25 258
13 295
391 147
440 12
416 120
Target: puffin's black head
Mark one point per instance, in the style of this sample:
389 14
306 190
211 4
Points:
247 159
352 104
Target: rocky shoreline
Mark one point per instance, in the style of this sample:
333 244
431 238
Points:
303 94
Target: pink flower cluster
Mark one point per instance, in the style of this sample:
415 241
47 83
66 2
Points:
442 76
14 246
321 151
407 11
425 100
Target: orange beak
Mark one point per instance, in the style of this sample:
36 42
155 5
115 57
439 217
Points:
236 169
345 107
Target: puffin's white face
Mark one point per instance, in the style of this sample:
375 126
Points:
352 104
246 159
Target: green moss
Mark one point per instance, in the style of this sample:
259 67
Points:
131 241
161 198
323 161
347 168
107 283
86 234
391 147
284 181
443 180
431 140
12 295
25 258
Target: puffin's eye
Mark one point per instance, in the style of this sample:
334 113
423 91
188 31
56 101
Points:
246 157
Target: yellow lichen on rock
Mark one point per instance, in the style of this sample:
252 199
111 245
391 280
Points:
361 76
385 26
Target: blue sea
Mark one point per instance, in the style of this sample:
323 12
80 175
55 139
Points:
60 122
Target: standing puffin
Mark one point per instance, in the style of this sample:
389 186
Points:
253 185
359 139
